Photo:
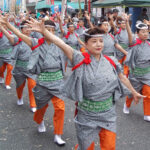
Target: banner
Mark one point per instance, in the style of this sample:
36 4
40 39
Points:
55 9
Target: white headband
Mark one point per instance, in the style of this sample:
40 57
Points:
71 25
50 26
95 35
105 22
23 26
121 21
144 27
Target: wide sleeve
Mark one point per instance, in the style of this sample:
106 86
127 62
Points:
15 51
37 58
73 85
131 58
118 65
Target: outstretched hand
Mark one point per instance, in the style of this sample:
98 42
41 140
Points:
146 22
35 25
126 16
87 16
137 97
4 20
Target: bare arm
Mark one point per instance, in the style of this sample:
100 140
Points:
112 23
25 38
121 49
130 37
127 83
88 20
9 36
39 27
60 24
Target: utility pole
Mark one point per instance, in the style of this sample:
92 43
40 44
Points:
12 6
23 7
63 8
85 6
80 12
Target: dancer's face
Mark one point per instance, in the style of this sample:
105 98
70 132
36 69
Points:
26 31
143 34
71 29
104 27
95 45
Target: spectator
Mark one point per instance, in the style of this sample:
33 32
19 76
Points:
143 15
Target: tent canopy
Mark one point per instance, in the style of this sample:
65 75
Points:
128 3
42 4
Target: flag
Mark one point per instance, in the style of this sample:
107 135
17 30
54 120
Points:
52 2
47 2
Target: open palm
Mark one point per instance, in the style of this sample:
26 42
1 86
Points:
36 25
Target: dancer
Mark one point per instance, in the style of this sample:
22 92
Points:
5 58
21 54
47 63
95 85
138 59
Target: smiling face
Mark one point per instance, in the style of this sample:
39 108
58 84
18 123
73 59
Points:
95 45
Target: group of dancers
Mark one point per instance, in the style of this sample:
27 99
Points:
105 67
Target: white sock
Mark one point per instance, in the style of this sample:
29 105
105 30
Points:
20 101
41 127
58 140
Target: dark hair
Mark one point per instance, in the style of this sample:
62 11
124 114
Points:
49 22
101 20
141 25
119 19
68 24
144 9
81 19
93 31
23 23
115 10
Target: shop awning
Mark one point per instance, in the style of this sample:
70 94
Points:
128 3
41 5
74 5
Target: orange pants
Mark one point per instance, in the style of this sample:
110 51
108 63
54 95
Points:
58 117
31 85
107 140
125 68
9 75
146 101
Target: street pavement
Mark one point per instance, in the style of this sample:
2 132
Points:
18 131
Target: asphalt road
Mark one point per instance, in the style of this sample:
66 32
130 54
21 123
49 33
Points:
18 131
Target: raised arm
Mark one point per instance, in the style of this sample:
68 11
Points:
26 39
7 34
60 24
88 20
39 27
130 37
112 23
